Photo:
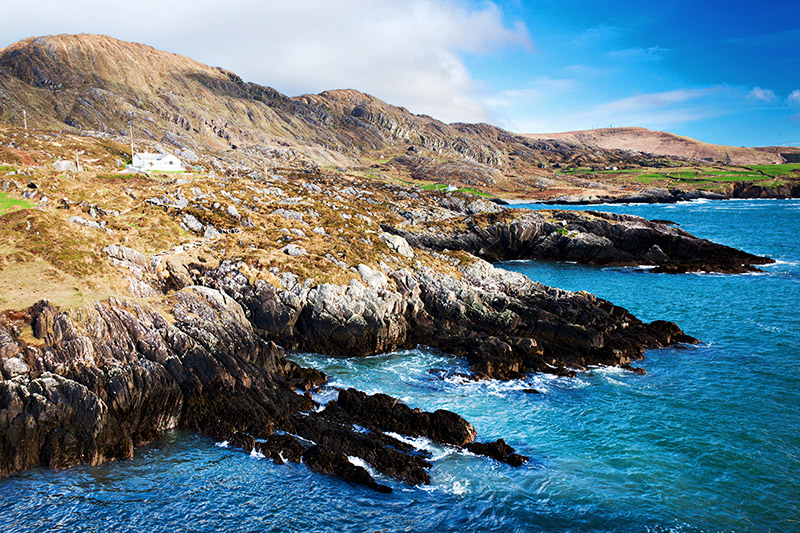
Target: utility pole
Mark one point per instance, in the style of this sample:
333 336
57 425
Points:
130 129
25 119
77 162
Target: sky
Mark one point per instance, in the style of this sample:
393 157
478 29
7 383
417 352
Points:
725 72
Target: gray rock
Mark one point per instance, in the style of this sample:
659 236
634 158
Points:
66 166
293 250
289 213
232 211
192 223
211 232
398 244
125 256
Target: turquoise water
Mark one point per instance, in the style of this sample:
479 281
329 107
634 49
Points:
708 440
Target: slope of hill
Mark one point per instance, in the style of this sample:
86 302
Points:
668 144
95 82
99 86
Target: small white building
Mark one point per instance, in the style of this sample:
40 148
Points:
157 162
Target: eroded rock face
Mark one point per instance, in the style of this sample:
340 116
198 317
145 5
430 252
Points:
504 324
589 237
112 376
103 379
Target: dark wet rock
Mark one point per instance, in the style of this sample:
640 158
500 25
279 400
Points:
386 454
243 441
634 369
282 448
499 451
531 391
384 413
326 461
114 376
590 237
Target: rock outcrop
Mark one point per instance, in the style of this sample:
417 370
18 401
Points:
100 380
590 237
504 324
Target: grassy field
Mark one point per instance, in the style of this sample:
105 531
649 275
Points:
777 170
443 187
700 177
12 204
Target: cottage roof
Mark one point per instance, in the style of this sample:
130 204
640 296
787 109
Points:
152 157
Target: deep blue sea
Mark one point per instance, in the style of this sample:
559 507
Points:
708 440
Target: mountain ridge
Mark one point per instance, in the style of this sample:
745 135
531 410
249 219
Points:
74 83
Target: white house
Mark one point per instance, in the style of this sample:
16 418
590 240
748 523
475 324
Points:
157 162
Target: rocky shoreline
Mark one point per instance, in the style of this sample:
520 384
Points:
203 346
658 195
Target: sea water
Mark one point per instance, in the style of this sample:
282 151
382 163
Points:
707 440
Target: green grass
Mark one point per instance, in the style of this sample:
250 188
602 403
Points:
649 178
476 192
8 204
579 170
7 168
434 187
776 170
623 171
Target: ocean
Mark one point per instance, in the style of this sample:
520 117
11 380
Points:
707 440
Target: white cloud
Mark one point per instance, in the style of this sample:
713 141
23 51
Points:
638 55
794 98
405 52
662 110
536 92
764 95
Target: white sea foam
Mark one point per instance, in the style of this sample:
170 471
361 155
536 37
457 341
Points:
223 444
256 454
358 461
437 451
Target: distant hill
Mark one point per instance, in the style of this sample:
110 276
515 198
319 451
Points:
668 144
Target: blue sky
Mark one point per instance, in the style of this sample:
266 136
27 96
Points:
722 72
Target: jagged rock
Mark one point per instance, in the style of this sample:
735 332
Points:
498 450
282 448
192 223
384 413
398 244
587 237
325 461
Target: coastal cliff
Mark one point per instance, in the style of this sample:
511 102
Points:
214 293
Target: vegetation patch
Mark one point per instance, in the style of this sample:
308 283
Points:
8 203
777 170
